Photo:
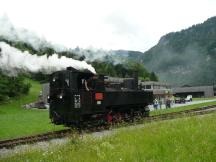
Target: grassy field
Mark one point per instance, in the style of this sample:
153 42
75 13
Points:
188 139
16 121
177 109
209 98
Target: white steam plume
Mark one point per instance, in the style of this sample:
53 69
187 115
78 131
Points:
12 33
14 61
15 34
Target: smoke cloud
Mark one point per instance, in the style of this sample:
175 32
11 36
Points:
92 54
15 34
13 61
12 33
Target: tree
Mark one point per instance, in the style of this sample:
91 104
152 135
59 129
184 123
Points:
153 77
12 86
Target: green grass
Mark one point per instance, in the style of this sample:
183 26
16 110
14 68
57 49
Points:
182 140
16 121
177 109
201 99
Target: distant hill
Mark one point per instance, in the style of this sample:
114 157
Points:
187 56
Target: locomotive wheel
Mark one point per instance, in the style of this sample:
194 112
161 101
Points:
109 118
117 118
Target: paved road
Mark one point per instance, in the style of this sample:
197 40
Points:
185 104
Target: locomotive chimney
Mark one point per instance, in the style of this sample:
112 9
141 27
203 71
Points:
70 68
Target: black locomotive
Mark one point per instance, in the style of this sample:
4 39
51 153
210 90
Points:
82 98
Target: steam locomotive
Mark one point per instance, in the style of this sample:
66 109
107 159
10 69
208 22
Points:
80 98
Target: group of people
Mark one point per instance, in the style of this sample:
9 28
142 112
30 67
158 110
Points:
158 103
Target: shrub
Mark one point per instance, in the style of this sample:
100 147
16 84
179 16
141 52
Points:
12 86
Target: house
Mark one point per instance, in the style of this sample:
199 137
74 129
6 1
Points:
160 90
196 91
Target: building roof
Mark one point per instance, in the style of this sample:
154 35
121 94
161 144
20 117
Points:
192 89
155 83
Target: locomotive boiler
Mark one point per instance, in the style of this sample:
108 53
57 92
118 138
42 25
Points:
80 98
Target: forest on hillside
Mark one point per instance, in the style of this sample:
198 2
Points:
187 56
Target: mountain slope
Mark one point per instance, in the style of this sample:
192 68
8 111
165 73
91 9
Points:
187 56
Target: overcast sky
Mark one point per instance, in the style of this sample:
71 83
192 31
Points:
107 24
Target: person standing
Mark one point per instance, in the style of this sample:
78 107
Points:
160 103
155 104
168 103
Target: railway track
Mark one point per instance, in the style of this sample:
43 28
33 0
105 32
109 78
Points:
35 138
184 113
63 133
